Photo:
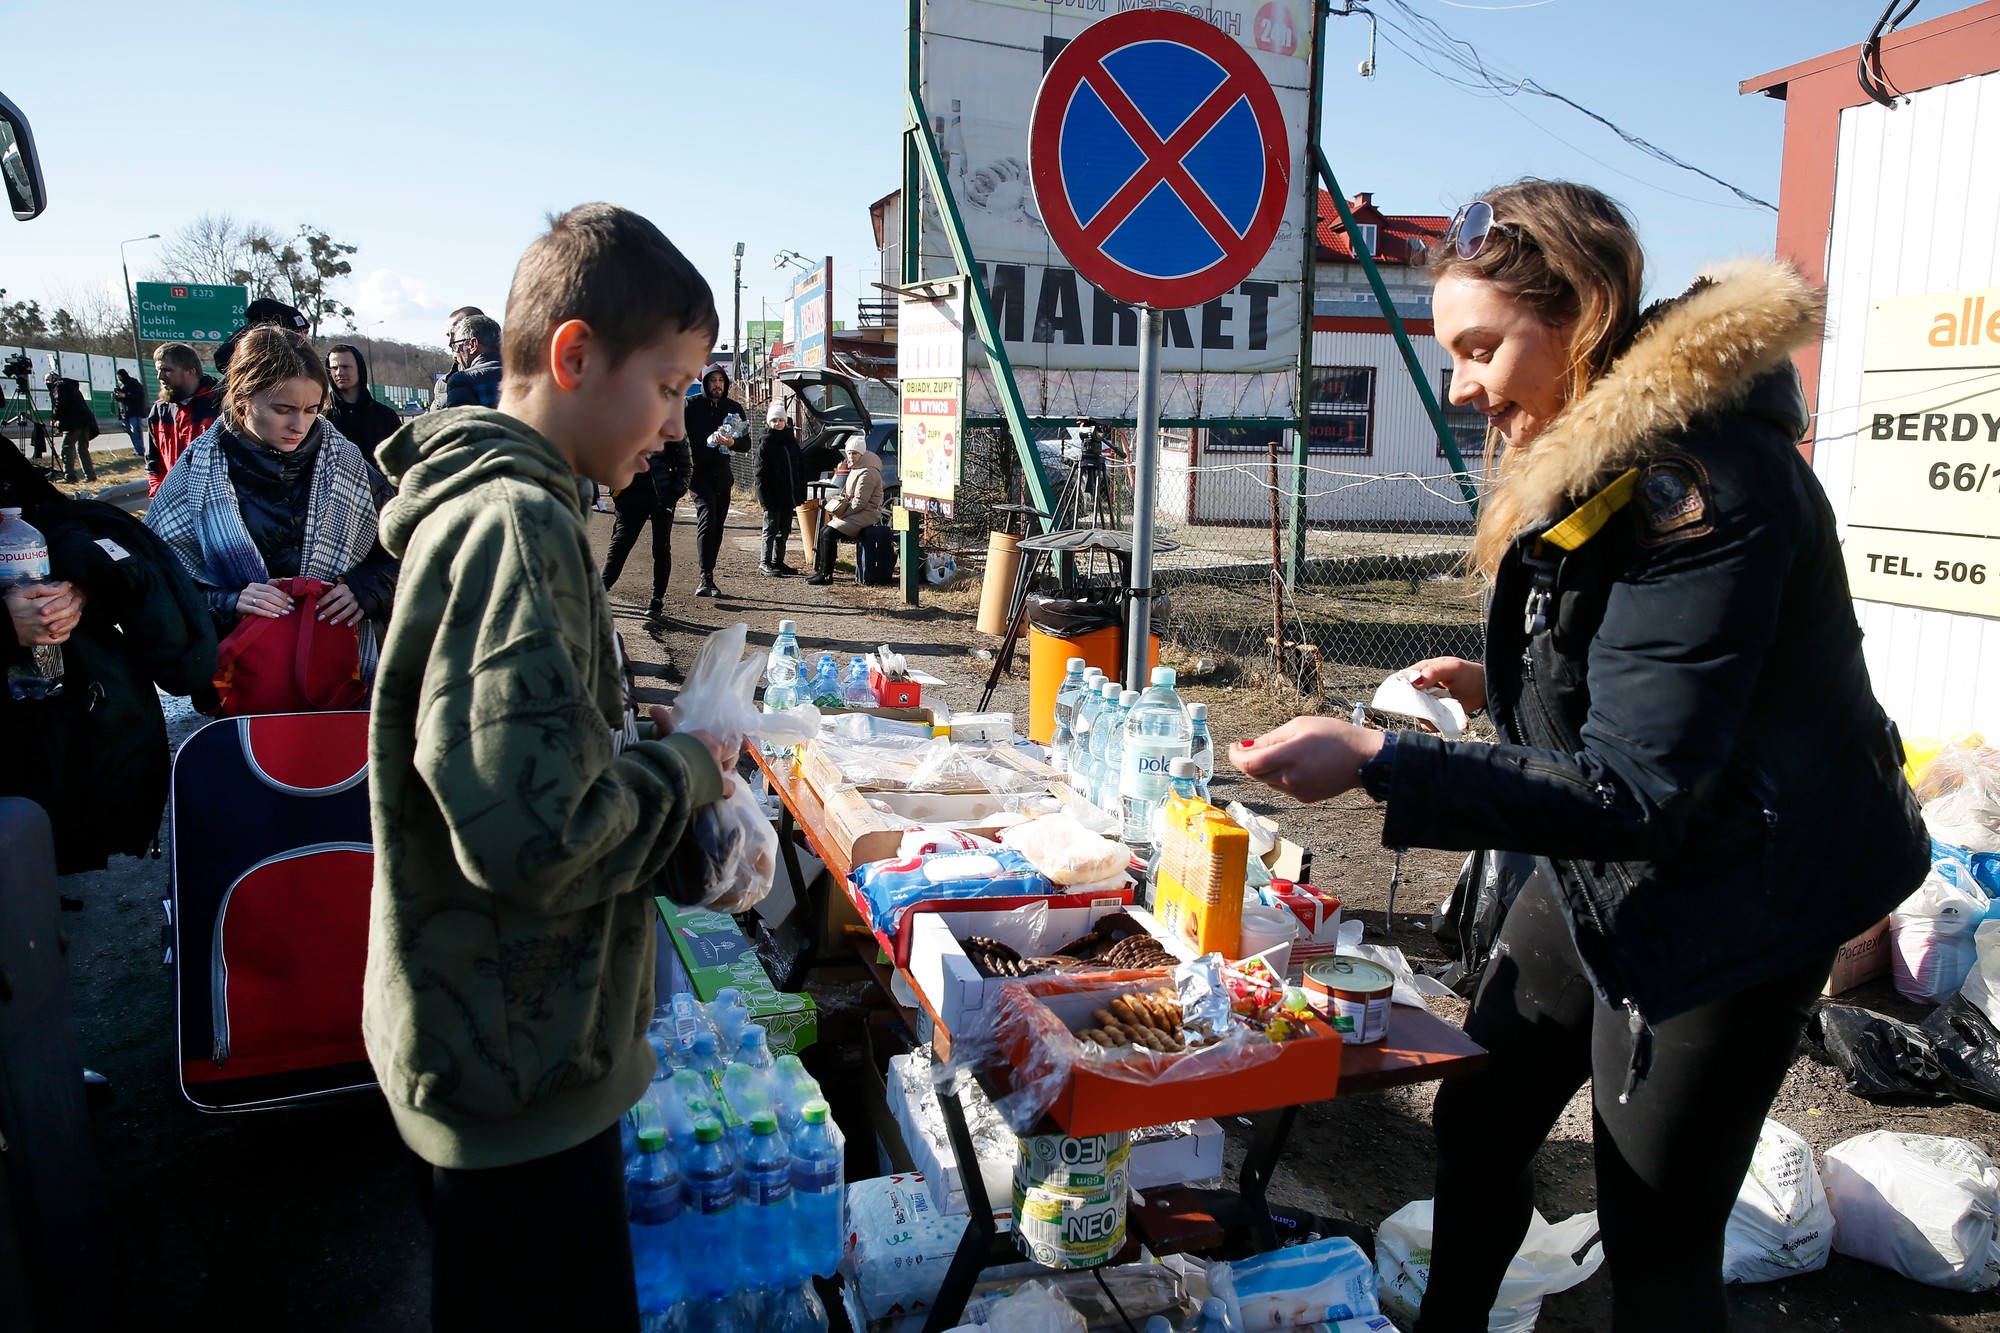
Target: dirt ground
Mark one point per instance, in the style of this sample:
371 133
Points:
305 1220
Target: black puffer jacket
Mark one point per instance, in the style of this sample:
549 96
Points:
367 420
95 757
1690 734
781 477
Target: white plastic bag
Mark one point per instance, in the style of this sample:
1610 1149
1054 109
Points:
1931 934
1412 986
1781 1225
1960 791
1542 1266
1982 983
1066 851
1035 1307
899 1244
1398 696
739 847
1323 1281
1921 1205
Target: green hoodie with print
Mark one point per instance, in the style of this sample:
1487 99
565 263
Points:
517 820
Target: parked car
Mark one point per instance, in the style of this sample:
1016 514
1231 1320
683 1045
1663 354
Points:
833 407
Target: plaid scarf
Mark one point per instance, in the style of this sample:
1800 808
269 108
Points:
197 516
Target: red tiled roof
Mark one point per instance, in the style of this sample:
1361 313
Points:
1393 235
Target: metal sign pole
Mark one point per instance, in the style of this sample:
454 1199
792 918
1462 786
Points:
1145 477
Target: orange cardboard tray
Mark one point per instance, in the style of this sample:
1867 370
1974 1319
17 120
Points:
1305 1069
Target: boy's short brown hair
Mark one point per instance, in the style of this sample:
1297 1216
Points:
266 357
612 269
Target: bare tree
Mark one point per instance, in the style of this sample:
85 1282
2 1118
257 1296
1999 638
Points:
210 249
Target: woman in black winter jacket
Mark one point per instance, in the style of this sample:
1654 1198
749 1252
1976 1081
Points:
1689 743
781 488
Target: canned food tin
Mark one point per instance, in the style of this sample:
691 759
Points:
1353 995
1069 1198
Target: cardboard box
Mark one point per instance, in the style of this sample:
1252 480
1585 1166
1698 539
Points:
711 952
917 1114
1861 959
1317 910
863 833
1304 1069
1198 888
1176 1155
895 773
960 995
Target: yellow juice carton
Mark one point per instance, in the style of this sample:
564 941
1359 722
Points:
1198 891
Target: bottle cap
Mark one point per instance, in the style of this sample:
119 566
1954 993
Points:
1198 712
1093 673
707 1129
815 1111
753 1035
1164 676
728 996
763 1123
788 627
1128 698
1213 1308
1074 664
1183 768
652 1138
1109 689
703 1042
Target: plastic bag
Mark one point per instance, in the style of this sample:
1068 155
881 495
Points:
1918 1204
930 839
1544 1265
1034 1308
1321 1282
1960 792
1041 1053
1966 1047
899 1244
1982 983
1885 1060
1781 1225
1066 851
891 888
1411 985
1467 924
1436 707
1930 935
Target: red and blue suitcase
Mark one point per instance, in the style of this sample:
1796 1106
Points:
273 860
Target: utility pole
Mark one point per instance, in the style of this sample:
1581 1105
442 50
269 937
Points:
132 301
736 319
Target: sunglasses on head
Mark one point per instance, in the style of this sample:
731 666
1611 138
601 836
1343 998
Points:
1470 229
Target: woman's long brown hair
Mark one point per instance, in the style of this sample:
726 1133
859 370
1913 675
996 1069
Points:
1568 253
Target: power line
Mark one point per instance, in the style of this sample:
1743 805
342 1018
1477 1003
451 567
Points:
1460 63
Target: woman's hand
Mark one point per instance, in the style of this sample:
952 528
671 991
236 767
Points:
337 606
1309 758
44 613
263 599
1462 680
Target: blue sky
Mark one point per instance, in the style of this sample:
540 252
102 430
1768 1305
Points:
437 137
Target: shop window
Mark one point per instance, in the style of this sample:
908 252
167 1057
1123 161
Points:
1468 427
1343 409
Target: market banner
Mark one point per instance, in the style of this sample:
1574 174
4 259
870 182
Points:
930 364
812 316
1074 350
1924 520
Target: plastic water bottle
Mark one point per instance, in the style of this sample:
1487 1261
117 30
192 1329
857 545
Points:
753 1048
791 1088
1158 1324
24 563
705 1056
819 1191
1182 780
1214 1318
730 1016
796 1309
767 1206
1110 761
709 1220
1201 748
748 1096
1092 710
726 1314
826 683
1061 745
653 1191
855 691
781 665
672 1113
1157 732
1084 706
1068 693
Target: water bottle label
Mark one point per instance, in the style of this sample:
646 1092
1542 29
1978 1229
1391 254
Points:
767 1193
655 1208
806 1180
23 564
714 1198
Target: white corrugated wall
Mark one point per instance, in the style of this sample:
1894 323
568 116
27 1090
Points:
1915 209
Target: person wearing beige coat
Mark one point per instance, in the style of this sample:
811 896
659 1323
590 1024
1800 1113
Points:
857 508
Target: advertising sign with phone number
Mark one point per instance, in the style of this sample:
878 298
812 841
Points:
1924 522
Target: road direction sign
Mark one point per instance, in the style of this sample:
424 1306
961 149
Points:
1159 158
189 312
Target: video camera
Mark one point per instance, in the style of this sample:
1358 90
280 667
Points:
18 368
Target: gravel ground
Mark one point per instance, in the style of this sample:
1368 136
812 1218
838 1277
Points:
305 1220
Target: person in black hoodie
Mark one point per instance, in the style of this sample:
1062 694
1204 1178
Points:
711 479
353 410
781 489
95 756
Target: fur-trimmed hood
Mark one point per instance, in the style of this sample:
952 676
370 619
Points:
1698 354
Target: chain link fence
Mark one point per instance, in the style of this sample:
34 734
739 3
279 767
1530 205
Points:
1381 584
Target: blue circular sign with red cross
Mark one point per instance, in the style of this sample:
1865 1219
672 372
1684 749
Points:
1159 158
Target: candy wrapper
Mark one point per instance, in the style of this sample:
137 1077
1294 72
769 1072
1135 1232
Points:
1204 995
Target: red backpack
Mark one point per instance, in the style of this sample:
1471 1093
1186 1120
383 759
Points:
297 663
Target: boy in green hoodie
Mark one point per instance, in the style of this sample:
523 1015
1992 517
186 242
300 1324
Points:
518 816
